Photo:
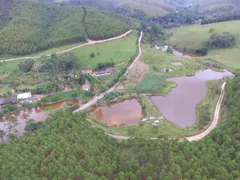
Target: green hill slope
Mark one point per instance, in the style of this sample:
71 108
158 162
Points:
28 27
67 147
194 37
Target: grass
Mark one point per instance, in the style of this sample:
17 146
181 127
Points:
5 90
153 82
62 96
194 36
9 66
118 50
159 60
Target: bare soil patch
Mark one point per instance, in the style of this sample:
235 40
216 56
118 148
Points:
135 75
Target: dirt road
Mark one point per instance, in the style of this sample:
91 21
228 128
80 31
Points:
90 42
201 135
215 119
99 97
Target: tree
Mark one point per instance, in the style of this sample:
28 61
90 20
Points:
223 40
2 134
92 55
26 66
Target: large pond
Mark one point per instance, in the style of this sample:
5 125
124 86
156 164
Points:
15 123
127 113
179 106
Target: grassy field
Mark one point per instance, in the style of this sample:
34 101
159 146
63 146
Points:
159 60
118 50
194 36
9 66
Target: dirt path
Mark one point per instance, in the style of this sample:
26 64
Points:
215 119
201 135
90 42
99 97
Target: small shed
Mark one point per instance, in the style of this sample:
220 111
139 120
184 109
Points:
24 96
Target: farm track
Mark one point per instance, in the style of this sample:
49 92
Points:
101 96
90 42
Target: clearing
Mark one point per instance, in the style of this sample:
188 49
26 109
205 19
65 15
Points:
118 51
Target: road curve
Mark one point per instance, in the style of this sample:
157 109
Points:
97 98
201 135
90 42
215 119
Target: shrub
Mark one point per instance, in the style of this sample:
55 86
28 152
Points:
223 40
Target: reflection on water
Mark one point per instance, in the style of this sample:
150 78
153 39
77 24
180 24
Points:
16 122
179 106
128 112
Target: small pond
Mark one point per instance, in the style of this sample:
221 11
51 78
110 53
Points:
19 119
179 106
178 53
127 113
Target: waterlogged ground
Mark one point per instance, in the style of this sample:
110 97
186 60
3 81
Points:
179 106
15 123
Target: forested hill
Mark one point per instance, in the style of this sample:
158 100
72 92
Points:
30 26
67 147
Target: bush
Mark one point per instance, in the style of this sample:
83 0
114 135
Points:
33 126
223 40
47 88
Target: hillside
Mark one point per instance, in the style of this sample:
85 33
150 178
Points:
67 147
27 27
195 36
130 7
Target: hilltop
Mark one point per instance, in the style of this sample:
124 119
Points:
29 26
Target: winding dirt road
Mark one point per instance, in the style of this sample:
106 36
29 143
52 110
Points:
201 135
90 42
97 98
215 119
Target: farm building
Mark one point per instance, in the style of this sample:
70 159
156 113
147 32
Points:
24 96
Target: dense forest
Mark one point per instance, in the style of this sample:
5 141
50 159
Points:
100 26
27 27
67 147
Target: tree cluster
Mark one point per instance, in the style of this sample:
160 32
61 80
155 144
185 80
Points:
223 40
102 26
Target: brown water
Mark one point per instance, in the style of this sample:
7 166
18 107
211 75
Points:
128 112
38 114
179 106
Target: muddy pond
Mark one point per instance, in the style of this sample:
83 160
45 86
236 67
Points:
179 106
126 113
17 121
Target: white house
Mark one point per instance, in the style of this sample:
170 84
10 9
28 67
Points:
24 96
